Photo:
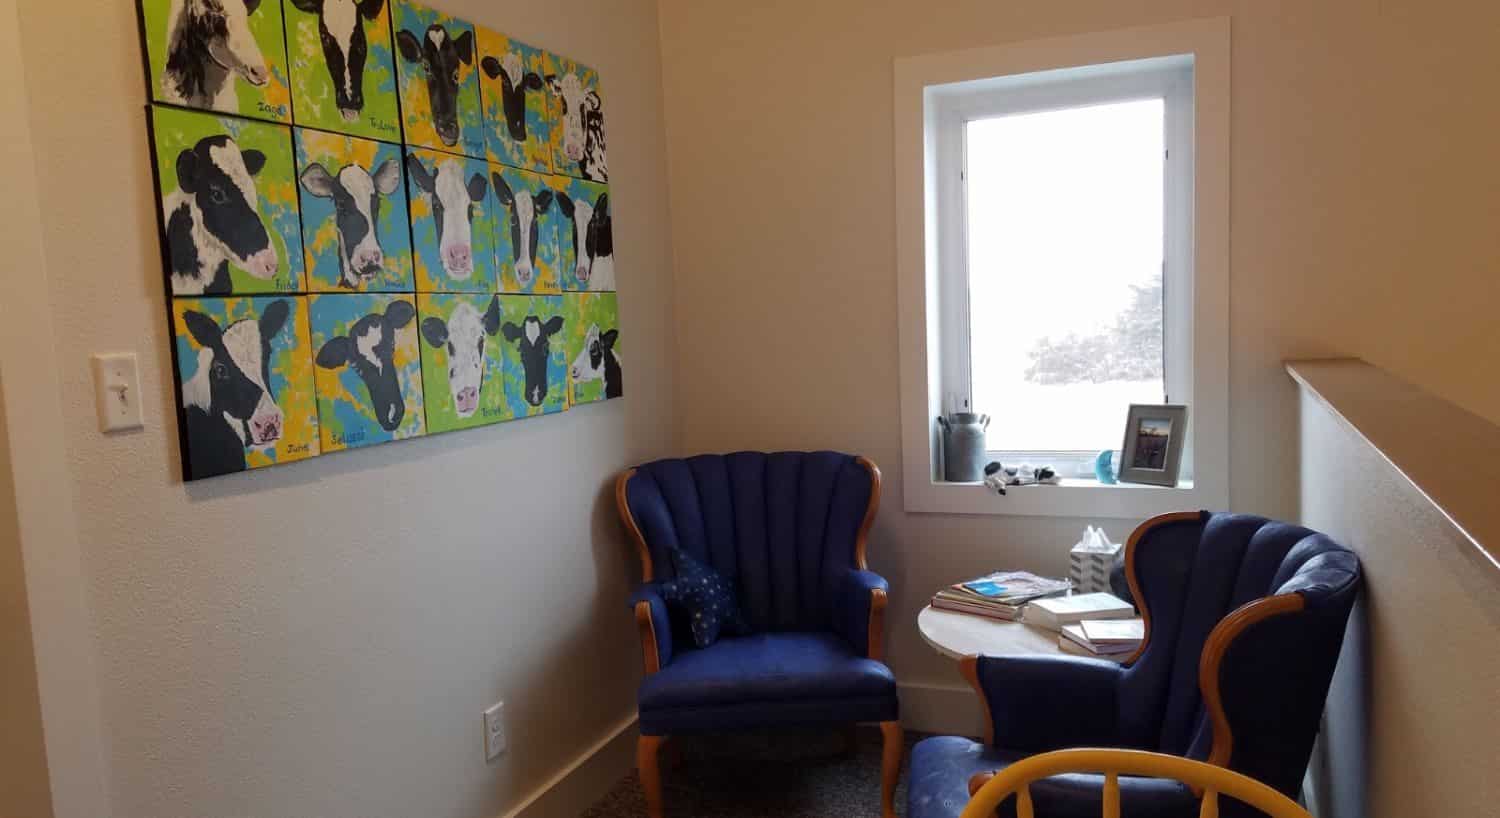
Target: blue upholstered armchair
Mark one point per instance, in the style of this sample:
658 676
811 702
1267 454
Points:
1244 621
789 529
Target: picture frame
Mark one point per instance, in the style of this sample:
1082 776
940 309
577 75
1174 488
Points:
1154 438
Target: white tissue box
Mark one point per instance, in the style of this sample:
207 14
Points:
1089 563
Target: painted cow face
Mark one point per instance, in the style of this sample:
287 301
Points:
593 232
369 349
355 193
463 336
238 359
344 47
515 81
525 212
230 42
578 104
532 340
589 365
220 178
440 57
452 201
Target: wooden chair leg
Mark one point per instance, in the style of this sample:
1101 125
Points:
650 772
890 765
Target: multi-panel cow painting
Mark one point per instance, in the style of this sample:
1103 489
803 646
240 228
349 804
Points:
586 239
526 230
355 232
218 55
368 369
452 222
533 354
244 370
513 90
378 222
462 383
576 106
592 326
228 195
437 63
343 67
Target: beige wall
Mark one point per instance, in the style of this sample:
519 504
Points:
1362 212
321 639
23 754
1411 720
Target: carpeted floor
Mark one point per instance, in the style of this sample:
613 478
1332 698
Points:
801 774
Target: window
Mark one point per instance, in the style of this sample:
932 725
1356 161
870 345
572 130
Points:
1062 237
1064 194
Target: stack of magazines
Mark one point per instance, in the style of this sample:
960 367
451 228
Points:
1000 595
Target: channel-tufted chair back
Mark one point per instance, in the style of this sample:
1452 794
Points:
784 525
1265 668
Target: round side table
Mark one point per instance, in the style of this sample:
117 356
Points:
956 635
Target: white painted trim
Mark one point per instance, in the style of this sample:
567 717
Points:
61 628
1208 40
944 710
586 779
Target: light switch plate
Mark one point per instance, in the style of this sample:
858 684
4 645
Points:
494 732
117 391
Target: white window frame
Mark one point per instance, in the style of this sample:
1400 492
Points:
934 96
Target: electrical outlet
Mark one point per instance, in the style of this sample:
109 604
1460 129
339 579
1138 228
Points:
494 732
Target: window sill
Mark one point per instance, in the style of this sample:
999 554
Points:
1074 498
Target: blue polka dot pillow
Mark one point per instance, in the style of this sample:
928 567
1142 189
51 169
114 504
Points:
705 598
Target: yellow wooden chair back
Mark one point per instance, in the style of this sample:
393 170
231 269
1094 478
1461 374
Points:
1208 779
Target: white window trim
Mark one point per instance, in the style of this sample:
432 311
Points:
918 114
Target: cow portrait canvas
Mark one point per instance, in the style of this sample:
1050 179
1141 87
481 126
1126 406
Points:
461 366
343 68
218 55
227 189
513 92
452 222
355 231
244 373
526 229
534 355
368 369
437 69
592 327
585 235
576 107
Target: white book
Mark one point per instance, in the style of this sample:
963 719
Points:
1057 611
1073 635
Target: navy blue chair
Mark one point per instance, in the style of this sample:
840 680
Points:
790 529
1244 621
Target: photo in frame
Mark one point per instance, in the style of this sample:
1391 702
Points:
1155 435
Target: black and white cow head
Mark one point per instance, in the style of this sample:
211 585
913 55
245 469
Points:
219 177
533 340
515 81
452 201
207 39
234 365
344 47
597 356
582 124
525 212
593 233
355 193
369 349
440 56
463 336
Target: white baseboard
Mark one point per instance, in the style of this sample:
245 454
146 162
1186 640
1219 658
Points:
941 709
579 785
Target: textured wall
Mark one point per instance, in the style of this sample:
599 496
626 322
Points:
1411 720
1361 225
320 639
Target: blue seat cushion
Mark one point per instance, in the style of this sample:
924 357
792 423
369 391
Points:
941 768
768 679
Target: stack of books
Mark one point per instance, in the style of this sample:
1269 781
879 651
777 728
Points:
1109 638
1054 613
1000 595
